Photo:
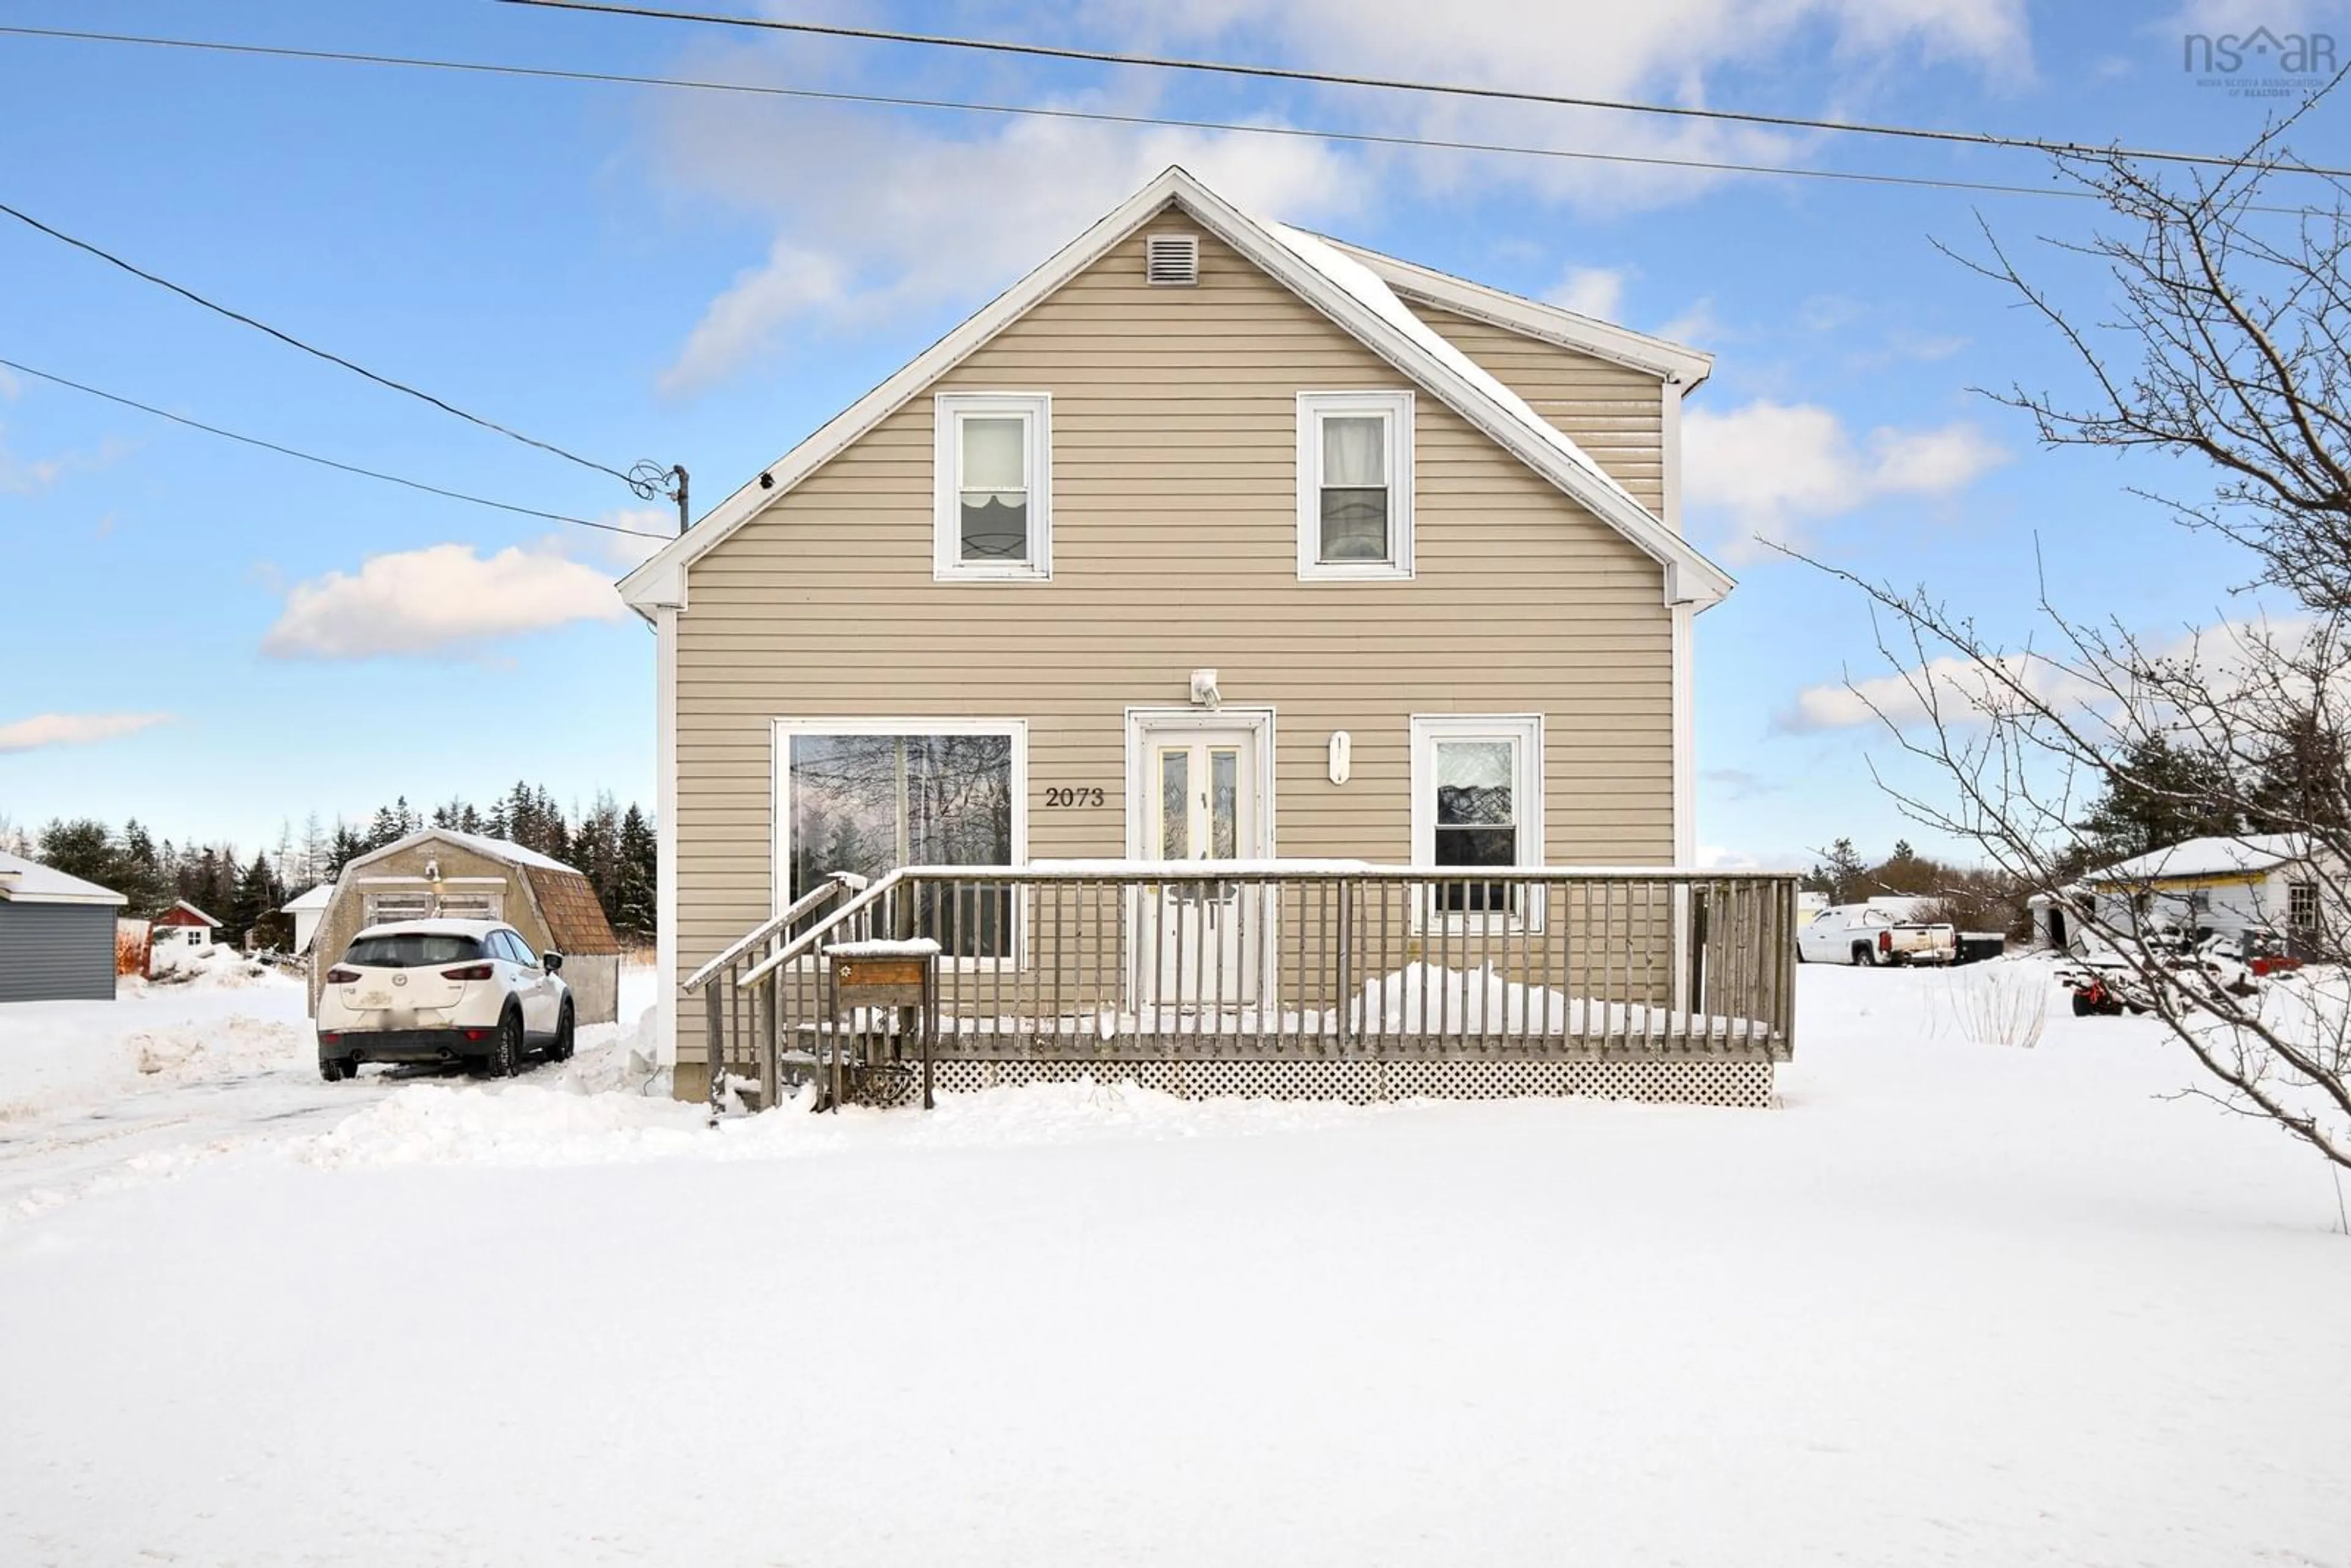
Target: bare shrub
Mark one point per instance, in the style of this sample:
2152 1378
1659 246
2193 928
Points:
2000 1004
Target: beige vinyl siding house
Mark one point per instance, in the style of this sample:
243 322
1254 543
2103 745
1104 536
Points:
1167 444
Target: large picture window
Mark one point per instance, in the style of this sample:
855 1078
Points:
993 486
868 797
1476 804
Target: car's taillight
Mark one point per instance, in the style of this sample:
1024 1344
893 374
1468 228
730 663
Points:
470 972
1885 941
339 976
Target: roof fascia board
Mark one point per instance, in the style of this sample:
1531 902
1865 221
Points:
661 579
1689 577
1659 357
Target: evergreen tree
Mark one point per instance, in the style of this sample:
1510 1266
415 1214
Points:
145 883
347 847
634 909
252 899
2302 781
2160 795
83 847
1838 873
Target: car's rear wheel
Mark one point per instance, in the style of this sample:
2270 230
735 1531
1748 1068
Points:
505 1059
334 1070
1865 955
564 1031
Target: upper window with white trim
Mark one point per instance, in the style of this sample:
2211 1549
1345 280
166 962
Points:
1476 804
1355 484
994 505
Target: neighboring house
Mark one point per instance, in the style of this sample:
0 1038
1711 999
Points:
2221 885
439 871
305 912
1211 540
177 934
56 934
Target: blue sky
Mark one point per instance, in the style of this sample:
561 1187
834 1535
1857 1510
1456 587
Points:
218 639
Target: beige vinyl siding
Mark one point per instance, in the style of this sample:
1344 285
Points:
1612 411
1173 519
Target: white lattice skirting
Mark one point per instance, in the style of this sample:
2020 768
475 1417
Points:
1745 1083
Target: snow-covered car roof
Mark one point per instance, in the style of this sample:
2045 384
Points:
439 928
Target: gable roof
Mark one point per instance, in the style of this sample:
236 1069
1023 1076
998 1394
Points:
1343 286
318 897
182 906
29 882
1677 364
2252 855
496 849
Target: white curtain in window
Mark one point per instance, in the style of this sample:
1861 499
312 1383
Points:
995 453
1354 451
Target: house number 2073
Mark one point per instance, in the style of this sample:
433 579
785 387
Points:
1078 795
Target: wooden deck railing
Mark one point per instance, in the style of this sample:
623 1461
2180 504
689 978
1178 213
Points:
1117 961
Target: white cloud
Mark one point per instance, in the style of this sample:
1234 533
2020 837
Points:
874 212
1698 326
2225 659
893 218
27 475
1958 688
1774 467
626 552
440 598
73 728
2213 17
1721 857
1590 291
31 475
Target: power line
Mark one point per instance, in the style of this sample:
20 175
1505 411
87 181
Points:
325 462
1369 138
288 338
1395 84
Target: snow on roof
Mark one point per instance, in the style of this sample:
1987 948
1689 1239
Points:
496 849
2221 856
30 881
1365 288
318 897
182 903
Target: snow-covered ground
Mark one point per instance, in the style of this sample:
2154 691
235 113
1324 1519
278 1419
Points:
1958 1301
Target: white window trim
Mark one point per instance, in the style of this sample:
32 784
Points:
1395 408
782 730
1525 732
949 410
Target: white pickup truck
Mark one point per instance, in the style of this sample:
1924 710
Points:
1868 934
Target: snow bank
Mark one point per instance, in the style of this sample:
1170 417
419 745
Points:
1958 1303
528 1124
227 1020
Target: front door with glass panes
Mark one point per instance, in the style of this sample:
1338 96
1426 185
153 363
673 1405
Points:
1199 940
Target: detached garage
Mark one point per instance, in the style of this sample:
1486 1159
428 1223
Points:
441 873
56 934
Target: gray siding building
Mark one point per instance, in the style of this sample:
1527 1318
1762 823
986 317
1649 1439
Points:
56 934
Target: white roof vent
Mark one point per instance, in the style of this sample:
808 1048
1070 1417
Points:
1170 261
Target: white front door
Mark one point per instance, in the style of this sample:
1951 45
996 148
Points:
1200 793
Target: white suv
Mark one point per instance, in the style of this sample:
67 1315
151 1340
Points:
443 990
